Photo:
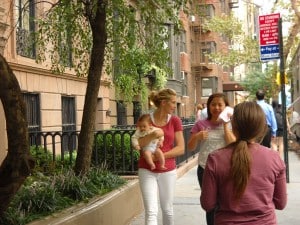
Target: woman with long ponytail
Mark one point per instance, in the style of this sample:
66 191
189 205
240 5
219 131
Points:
245 182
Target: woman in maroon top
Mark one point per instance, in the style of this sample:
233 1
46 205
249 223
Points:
245 181
158 182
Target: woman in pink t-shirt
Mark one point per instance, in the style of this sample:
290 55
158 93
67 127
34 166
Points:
210 133
161 182
245 182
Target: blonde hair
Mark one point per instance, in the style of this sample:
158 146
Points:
199 106
158 96
248 124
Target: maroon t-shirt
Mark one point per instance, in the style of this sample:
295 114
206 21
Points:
173 125
265 191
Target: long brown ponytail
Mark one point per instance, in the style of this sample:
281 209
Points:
248 124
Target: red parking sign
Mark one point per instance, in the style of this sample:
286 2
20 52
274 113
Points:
268 29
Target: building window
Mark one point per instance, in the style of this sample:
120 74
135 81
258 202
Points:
32 102
121 113
25 15
209 86
137 111
184 83
68 123
183 41
207 11
206 49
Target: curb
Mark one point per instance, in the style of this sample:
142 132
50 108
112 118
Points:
184 167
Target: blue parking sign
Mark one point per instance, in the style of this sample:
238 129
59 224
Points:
269 52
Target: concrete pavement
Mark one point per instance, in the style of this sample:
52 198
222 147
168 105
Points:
290 215
187 206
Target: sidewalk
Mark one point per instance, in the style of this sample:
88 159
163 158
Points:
187 204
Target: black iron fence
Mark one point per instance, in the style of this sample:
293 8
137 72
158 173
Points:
112 148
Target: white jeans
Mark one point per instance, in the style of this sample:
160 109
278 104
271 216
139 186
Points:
152 185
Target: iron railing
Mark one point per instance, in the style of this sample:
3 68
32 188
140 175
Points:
112 148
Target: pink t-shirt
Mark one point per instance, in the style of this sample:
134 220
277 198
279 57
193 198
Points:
215 140
174 124
265 192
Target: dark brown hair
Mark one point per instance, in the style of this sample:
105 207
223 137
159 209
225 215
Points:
144 117
211 97
260 95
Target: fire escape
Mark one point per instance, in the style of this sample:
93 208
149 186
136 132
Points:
200 61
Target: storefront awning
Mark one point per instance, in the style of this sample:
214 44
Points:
232 86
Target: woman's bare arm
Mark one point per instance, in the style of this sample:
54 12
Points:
195 138
192 142
229 136
178 149
148 138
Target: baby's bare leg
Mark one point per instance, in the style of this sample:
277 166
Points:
148 158
161 158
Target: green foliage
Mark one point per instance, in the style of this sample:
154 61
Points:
130 81
290 27
227 25
43 195
113 148
42 157
74 187
106 182
115 152
44 162
286 11
65 23
136 37
256 80
161 76
243 49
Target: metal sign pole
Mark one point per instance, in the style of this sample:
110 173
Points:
283 101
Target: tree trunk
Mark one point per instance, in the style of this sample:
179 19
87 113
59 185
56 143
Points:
86 136
18 162
294 30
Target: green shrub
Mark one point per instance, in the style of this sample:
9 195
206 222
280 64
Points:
114 153
45 164
53 185
75 188
43 159
43 195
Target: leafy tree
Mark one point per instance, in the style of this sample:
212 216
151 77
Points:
256 79
291 14
243 49
18 163
89 36
132 36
